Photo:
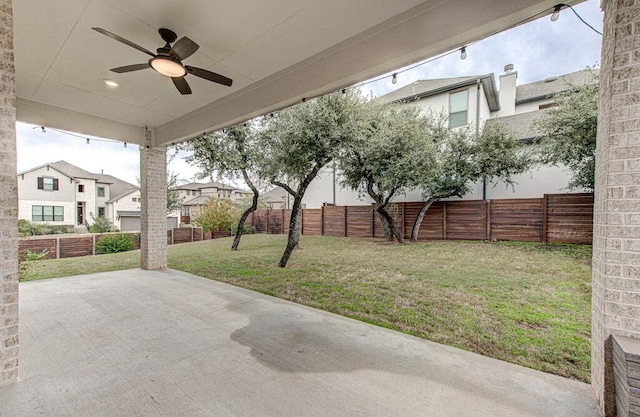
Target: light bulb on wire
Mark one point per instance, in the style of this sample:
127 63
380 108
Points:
556 12
463 53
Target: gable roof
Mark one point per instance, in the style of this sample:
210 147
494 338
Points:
72 170
426 88
540 90
122 193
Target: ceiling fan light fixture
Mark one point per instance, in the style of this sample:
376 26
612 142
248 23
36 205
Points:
168 67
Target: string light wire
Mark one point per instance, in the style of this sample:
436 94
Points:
87 140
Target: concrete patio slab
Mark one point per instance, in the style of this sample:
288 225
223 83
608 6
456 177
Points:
145 343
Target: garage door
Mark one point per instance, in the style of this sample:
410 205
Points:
129 224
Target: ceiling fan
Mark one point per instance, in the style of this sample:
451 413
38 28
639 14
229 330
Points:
168 60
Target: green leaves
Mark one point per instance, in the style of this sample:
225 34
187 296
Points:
568 134
303 138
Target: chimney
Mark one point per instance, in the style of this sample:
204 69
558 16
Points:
507 93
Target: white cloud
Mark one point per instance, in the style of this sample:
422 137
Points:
537 49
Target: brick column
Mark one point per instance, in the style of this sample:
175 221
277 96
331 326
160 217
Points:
153 215
616 234
8 203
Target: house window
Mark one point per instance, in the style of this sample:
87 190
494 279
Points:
100 191
100 211
546 106
47 213
47 183
135 199
81 188
458 108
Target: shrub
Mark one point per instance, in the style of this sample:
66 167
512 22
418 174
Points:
37 256
246 230
26 228
118 242
101 225
218 215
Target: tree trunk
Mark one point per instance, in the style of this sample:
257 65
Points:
243 218
294 231
296 211
418 221
389 225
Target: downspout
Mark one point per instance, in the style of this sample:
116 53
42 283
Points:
484 181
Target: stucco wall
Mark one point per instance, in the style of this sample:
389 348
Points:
28 186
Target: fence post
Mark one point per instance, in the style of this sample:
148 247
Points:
345 221
192 234
93 250
545 202
444 220
57 248
488 211
403 205
283 220
322 221
172 235
373 221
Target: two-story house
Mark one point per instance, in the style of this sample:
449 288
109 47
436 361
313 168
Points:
474 101
64 194
195 195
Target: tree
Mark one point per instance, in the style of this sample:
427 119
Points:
232 153
568 133
461 159
298 141
173 194
388 156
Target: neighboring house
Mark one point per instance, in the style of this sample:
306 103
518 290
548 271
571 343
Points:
473 100
194 196
278 198
64 194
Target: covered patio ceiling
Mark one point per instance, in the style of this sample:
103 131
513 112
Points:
276 51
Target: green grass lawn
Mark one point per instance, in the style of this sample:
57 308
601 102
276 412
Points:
525 303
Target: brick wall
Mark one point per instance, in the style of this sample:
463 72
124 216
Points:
616 257
153 215
8 203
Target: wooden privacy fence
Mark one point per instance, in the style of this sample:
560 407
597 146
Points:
557 218
58 247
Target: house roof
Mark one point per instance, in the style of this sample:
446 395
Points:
426 88
118 186
197 201
122 193
540 90
211 184
522 124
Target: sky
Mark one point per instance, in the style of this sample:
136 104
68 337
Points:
537 50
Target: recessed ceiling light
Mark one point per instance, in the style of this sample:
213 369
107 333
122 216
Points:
111 83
